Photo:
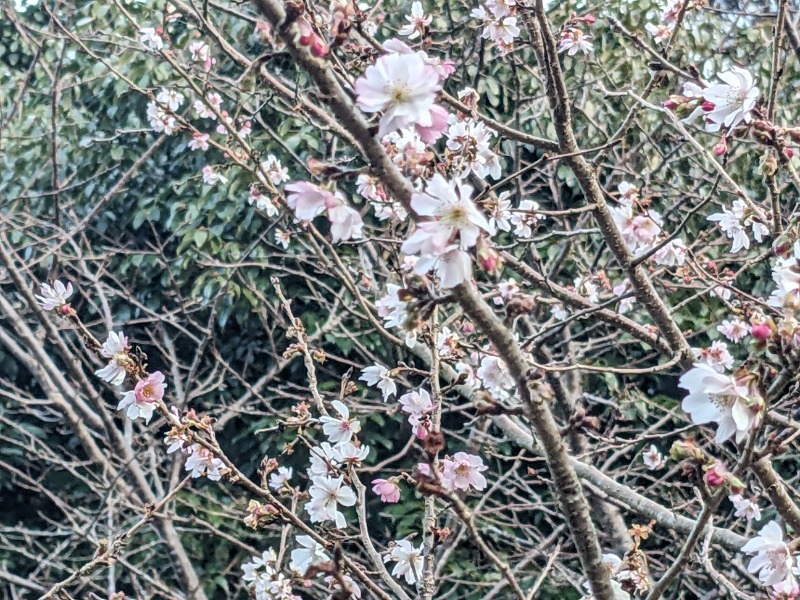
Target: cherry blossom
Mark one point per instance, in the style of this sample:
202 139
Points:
627 302
495 377
160 120
115 348
463 471
143 399
718 398
408 561
341 429
284 238
170 98
418 22
786 274
349 453
734 221
498 24
199 141
151 38
310 552
716 356
525 217
734 329
652 458
55 296
275 172
417 402
661 32
401 86
205 110
326 495
346 222
671 254
266 582
263 202
323 459
211 177
307 200
378 375
450 204
387 489
335 586
773 560
202 462
745 508
732 100
453 266
574 40
280 477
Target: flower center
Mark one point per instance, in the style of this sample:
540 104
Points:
462 469
400 93
721 400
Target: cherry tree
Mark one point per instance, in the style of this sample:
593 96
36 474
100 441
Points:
400 300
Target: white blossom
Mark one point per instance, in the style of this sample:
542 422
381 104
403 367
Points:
339 429
378 375
326 495
55 296
408 561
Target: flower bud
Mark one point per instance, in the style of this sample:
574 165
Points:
716 474
488 259
721 148
318 47
769 164
761 331
708 106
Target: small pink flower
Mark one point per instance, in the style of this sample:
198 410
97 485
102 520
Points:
387 489
150 389
141 401
463 471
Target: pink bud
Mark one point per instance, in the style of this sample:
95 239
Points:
670 104
708 106
721 148
589 19
468 328
65 309
318 47
761 331
789 152
716 475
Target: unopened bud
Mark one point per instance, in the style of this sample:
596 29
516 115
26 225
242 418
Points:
761 331
318 47
769 164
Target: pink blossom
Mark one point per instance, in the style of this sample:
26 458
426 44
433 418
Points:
463 471
199 141
141 401
387 489
307 200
